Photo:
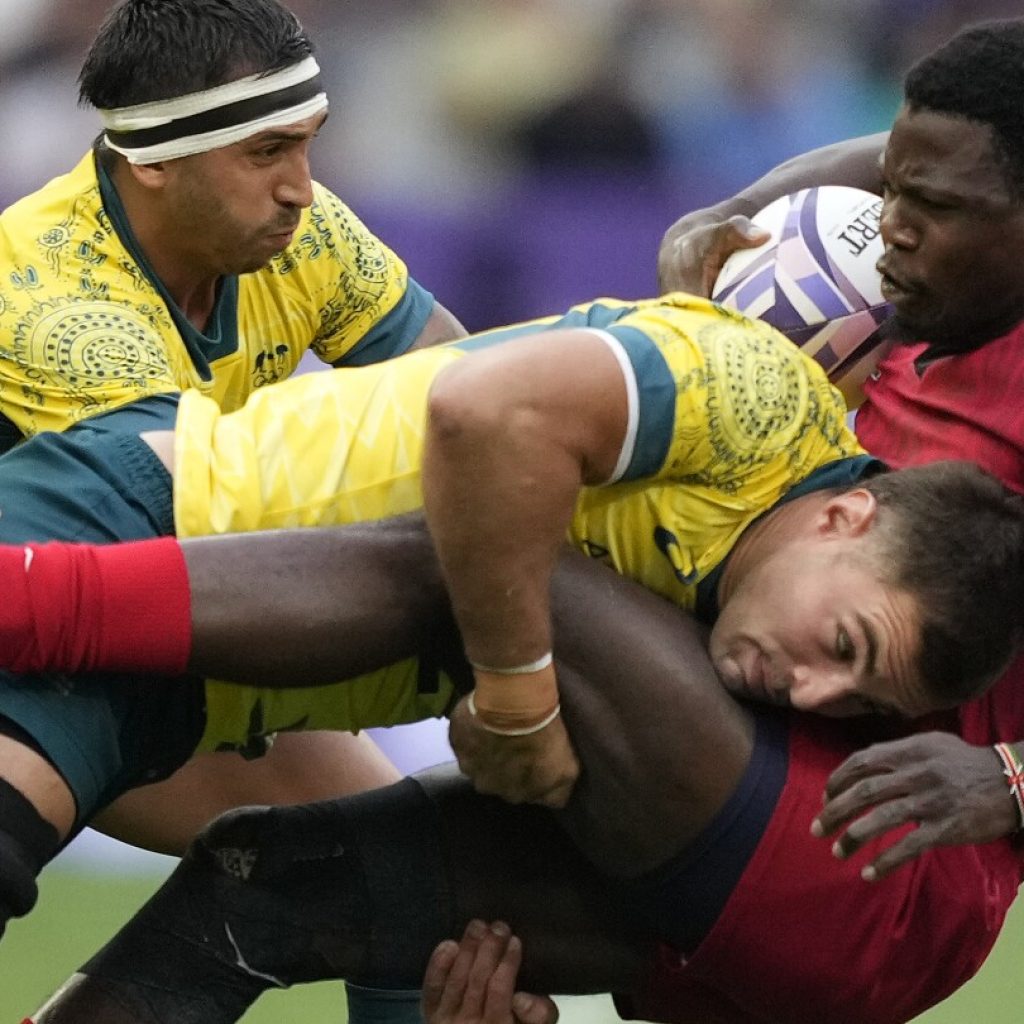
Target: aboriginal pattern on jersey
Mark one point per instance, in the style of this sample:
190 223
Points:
65 345
85 326
750 416
759 403
358 303
742 413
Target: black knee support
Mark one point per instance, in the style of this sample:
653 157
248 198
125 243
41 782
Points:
27 842
271 896
363 880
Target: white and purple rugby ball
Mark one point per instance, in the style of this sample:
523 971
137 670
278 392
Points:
815 280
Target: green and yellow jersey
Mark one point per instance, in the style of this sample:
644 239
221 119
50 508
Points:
86 327
726 417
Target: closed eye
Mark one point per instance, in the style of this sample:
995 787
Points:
846 650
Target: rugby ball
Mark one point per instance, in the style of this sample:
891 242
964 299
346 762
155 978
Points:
815 280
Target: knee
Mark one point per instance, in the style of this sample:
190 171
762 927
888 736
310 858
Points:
234 841
27 842
265 844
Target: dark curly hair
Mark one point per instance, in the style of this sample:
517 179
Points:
979 75
149 50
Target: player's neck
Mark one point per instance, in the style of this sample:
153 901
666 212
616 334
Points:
763 538
171 257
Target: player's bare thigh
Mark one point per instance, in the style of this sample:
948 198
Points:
662 745
34 776
299 768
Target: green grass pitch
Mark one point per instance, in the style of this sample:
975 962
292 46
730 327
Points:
78 910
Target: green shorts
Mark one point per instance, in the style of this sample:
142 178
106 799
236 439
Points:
98 482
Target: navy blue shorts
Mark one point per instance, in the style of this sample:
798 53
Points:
681 901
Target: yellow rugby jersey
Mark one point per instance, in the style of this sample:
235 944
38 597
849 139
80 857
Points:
85 326
729 417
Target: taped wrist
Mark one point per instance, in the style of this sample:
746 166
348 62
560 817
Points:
517 702
27 842
83 607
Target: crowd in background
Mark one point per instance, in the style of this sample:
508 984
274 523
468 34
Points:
522 155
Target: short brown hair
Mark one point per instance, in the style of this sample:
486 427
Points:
952 535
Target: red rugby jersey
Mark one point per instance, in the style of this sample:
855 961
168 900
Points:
962 406
968 406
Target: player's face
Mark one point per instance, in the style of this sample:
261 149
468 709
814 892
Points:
240 205
953 267
814 627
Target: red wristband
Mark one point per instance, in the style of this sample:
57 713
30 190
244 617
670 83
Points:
84 607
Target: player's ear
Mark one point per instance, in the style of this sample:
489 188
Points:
149 176
849 514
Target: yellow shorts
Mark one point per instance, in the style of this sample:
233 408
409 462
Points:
323 449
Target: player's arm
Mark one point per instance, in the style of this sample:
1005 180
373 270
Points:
419 321
235 607
955 793
441 326
696 246
513 433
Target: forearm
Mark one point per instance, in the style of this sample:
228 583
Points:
441 327
498 496
513 434
327 603
695 248
853 162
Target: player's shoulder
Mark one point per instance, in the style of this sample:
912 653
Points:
59 245
330 213
688 327
56 200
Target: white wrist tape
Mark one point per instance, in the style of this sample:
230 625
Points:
527 730
525 669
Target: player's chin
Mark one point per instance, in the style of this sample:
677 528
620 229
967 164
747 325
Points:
909 326
916 318
252 263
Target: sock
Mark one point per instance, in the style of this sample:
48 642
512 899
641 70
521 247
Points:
27 842
84 607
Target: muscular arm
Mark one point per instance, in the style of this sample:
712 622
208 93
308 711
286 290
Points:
695 246
513 433
441 326
320 605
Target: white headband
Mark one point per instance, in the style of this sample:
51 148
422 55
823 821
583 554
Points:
225 114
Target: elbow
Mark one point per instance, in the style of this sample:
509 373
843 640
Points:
461 408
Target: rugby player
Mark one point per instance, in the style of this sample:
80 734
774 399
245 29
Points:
951 174
701 896
189 248
715 421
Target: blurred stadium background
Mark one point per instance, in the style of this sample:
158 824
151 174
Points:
520 155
